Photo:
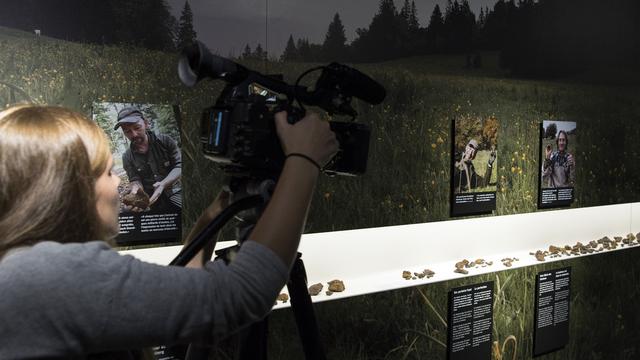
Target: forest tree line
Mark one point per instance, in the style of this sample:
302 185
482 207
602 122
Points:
534 37
545 37
145 23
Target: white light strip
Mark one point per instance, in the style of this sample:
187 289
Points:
372 260
635 215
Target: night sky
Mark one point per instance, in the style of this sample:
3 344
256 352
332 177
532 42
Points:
226 26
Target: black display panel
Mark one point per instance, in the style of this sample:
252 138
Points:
553 295
470 319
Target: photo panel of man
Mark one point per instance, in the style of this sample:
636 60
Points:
558 164
145 143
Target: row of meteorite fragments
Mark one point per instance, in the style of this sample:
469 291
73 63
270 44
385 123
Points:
594 246
461 267
315 289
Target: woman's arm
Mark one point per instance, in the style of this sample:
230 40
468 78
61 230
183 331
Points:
282 222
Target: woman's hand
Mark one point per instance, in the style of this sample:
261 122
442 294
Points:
311 136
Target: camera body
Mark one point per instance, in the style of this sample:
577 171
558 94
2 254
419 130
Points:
239 132
241 137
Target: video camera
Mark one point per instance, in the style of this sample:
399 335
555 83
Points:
239 133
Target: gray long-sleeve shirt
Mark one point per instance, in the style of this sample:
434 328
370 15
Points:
71 300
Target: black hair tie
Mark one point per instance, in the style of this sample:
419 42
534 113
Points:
308 158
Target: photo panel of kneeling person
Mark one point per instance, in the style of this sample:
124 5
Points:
145 144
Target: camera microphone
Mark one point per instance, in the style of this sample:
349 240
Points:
356 83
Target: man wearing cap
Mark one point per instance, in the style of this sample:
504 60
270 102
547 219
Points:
465 175
153 161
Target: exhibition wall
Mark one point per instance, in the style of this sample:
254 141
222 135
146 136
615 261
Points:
500 80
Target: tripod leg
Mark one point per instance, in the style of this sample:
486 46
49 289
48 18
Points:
197 353
303 312
253 341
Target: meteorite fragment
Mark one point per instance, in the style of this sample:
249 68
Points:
315 289
508 261
336 286
461 271
554 249
540 255
283 297
406 275
428 273
629 239
425 273
139 199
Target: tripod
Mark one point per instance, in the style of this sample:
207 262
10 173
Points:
250 197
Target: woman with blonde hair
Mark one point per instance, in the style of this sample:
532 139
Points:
67 294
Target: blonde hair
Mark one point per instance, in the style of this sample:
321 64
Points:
50 159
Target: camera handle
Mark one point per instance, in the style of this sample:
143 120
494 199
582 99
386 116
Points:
294 114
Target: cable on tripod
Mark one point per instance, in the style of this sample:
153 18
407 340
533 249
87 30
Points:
190 250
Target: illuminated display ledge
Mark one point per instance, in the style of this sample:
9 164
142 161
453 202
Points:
372 260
